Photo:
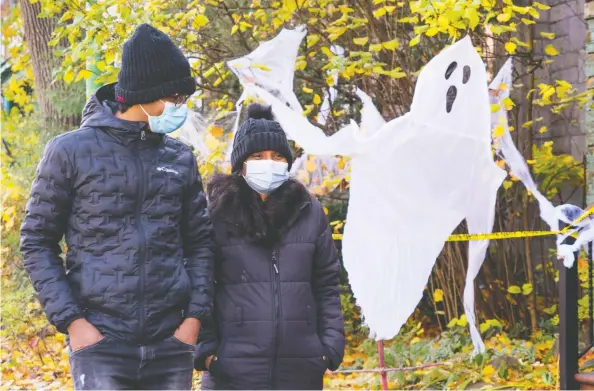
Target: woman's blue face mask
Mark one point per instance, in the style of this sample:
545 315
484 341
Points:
172 118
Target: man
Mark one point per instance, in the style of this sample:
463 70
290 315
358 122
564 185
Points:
129 201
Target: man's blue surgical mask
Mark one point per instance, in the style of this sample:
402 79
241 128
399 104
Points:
265 176
173 118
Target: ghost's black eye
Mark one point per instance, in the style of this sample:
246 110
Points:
451 97
465 74
451 68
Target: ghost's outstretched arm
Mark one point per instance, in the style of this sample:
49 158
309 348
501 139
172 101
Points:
309 137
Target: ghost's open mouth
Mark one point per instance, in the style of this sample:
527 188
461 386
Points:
451 97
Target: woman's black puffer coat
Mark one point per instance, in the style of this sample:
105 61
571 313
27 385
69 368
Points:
278 322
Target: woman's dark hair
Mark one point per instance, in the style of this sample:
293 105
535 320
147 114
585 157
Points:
122 107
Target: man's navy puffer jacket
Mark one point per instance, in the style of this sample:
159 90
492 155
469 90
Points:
139 237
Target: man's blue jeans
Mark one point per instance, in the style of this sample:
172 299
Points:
114 365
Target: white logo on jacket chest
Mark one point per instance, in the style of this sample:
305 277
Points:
169 170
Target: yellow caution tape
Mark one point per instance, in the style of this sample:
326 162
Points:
507 235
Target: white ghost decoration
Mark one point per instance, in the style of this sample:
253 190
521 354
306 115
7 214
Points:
270 66
412 182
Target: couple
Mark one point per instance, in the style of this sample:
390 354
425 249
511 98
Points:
157 283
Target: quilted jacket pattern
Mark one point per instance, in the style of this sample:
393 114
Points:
139 238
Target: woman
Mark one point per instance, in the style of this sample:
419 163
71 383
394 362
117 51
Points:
278 321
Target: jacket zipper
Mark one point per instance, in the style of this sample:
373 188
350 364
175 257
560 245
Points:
277 314
142 248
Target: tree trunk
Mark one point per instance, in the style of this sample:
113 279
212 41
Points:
37 34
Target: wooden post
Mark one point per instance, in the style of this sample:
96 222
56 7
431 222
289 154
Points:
380 351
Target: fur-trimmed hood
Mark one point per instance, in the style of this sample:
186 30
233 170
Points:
231 199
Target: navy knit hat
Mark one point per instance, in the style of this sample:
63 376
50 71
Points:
152 68
260 132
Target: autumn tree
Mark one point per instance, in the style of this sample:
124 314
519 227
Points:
37 33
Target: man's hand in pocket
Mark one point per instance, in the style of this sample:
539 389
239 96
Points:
188 331
83 334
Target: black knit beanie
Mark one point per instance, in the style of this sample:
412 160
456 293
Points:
260 132
152 68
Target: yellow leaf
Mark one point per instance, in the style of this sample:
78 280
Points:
503 17
211 142
498 131
432 31
527 289
310 166
415 340
84 74
327 52
495 108
511 47
216 131
312 40
506 186
508 103
307 90
396 73
101 66
488 370
540 6
534 13
543 129
330 80
547 35
261 67
376 47
514 289
192 37
69 77
378 13
391 45
438 295
317 100
415 41
527 124
326 211
551 50
473 17
234 29
463 321
200 21
361 41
